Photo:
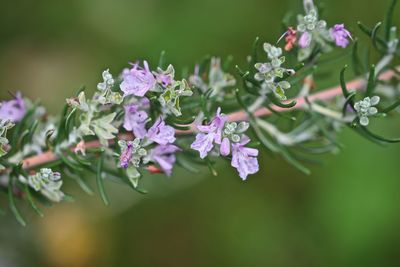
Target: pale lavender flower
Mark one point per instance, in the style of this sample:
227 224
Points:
165 78
136 118
244 159
305 40
137 81
164 156
161 133
340 35
204 143
13 110
209 134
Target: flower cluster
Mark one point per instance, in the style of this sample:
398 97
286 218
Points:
131 152
225 138
93 119
218 80
170 98
47 182
268 72
311 32
156 145
138 81
310 27
366 108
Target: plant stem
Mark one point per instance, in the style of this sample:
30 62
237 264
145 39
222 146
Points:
325 95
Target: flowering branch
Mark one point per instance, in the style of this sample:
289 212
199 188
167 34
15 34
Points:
146 119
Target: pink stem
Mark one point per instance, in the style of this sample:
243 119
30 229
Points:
325 95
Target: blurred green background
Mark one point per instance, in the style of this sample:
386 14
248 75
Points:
345 214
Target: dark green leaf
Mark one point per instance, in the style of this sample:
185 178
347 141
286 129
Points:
99 180
161 61
358 69
277 102
343 85
31 201
378 137
392 107
11 202
371 81
389 18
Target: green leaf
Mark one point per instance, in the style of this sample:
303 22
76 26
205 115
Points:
246 76
70 163
61 127
371 81
378 137
343 85
11 202
280 104
133 175
254 55
319 121
392 107
389 19
280 114
299 77
23 139
186 164
48 141
374 35
356 62
32 129
369 32
349 102
227 63
210 165
83 185
103 127
69 119
323 149
31 201
264 140
17 131
99 180
161 61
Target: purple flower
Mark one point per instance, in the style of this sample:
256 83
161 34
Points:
203 143
137 81
340 35
161 133
126 155
209 134
135 119
164 156
244 159
165 78
305 40
13 110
